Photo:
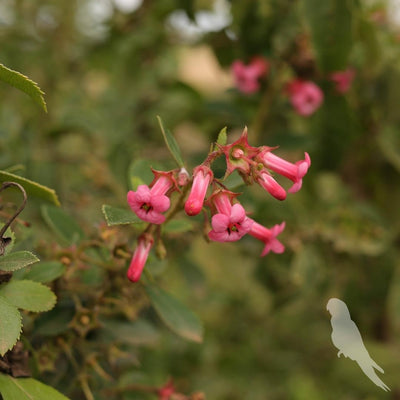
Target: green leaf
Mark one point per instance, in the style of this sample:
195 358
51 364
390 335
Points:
222 138
17 260
45 272
23 83
62 224
28 295
139 173
330 22
8 234
27 389
175 315
119 216
178 226
140 332
171 144
32 188
10 326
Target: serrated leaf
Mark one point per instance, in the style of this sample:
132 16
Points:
32 188
22 82
178 226
10 326
17 260
175 314
119 216
28 295
27 389
171 144
62 224
330 22
45 271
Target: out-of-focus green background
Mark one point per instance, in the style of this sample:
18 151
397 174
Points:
109 67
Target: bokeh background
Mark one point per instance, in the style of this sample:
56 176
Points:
108 68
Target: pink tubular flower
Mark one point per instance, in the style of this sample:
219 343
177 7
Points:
239 155
343 79
202 176
145 242
230 223
247 76
295 172
268 236
306 97
148 204
265 179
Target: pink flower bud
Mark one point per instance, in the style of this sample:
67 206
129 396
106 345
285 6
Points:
230 223
265 180
183 177
202 177
145 242
268 236
166 391
294 172
306 97
343 79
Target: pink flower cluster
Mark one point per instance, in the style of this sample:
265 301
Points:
305 96
229 221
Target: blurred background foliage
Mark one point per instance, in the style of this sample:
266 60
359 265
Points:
108 68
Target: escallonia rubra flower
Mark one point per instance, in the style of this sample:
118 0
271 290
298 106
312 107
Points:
247 76
268 236
145 243
306 97
202 177
229 222
149 202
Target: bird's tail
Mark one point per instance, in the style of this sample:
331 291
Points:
368 369
376 366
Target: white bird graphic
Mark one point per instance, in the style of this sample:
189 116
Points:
347 338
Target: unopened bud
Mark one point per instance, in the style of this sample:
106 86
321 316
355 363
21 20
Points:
183 177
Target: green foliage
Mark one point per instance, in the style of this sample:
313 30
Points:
119 216
27 389
10 326
171 143
45 272
175 315
331 24
28 295
23 83
62 224
32 188
17 260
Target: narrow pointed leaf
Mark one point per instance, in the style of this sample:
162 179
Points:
27 389
62 224
17 260
22 82
175 314
119 216
10 326
171 144
32 188
222 138
28 295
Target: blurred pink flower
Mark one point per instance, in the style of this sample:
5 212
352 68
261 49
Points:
247 76
306 97
265 180
343 79
148 204
268 236
202 177
145 242
166 391
294 172
230 223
